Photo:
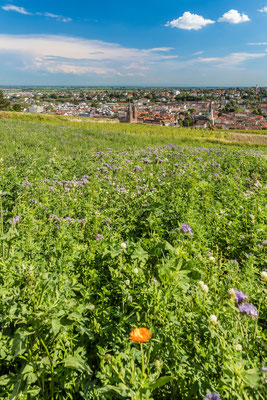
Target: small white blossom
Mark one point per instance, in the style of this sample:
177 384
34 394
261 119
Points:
127 282
123 246
213 319
212 259
201 284
205 289
135 270
264 276
238 347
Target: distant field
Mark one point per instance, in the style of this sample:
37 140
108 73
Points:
105 228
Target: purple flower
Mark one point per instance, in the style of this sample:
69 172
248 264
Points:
187 229
108 221
240 297
26 183
212 396
15 220
248 309
99 236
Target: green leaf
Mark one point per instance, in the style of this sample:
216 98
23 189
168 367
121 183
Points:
4 380
77 364
18 345
56 325
139 253
160 382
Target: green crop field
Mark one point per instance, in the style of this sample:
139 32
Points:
105 228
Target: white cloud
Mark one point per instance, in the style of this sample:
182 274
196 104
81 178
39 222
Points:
57 17
79 56
234 17
263 10
189 21
232 60
197 53
257 44
20 10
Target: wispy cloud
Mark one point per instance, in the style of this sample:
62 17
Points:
57 17
234 17
198 53
231 60
72 55
20 10
189 21
263 10
258 44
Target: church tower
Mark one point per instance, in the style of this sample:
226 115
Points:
131 116
210 114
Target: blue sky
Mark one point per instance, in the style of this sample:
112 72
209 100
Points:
175 43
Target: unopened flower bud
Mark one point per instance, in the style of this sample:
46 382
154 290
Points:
264 276
205 289
123 246
213 319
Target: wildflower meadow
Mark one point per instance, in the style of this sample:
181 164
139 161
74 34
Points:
132 264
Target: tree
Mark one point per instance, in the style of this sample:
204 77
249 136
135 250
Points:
17 107
4 103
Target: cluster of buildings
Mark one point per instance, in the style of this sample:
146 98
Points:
201 108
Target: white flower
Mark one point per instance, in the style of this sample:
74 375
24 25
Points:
231 293
238 347
135 270
205 289
127 282
212 259
201 284
264 276
130 299
123 245
213 319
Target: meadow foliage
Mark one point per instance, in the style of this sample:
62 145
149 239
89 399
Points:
131 265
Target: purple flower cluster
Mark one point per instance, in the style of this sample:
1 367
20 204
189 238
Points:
187 229
245 308
248 309
99 236
240 297
212 396
26 183
15 220
146 160
137 168
67 219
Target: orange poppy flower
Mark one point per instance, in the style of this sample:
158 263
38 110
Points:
140 335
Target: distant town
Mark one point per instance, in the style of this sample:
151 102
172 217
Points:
235 108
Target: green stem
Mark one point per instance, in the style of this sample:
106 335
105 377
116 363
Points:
143 361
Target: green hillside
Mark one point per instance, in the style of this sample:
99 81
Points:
108 227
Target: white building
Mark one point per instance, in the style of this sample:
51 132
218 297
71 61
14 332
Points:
36 109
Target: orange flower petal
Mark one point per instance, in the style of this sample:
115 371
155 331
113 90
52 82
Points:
140 335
